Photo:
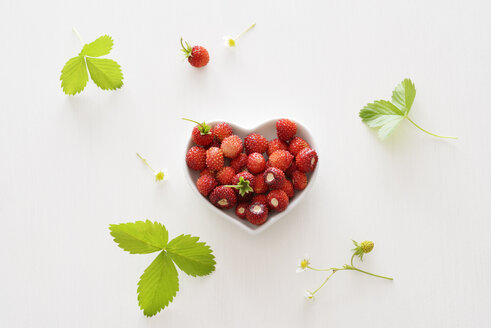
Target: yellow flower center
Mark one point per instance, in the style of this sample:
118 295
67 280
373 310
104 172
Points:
159 176
231 42
304 263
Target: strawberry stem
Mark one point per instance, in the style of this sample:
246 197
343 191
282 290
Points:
187 49
243 186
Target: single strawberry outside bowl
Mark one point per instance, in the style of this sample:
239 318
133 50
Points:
268 130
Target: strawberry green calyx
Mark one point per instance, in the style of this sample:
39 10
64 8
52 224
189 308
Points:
202 127
243 186
186 48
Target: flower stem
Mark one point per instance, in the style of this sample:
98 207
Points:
145 161
246 30
325 281
435 135
371 274
77 34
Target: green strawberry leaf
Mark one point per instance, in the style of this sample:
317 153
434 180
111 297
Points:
192 257
158 285
403 95
382 114
100 47
140 237
74 76
106 73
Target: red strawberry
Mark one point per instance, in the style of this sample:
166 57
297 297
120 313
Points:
306 160
299 180
276 144
257 213
274 178
207 171
288 189
214 158
196 158
277 200
281 159
285 129
241 209
197 55
206 184
225 175
223 197
246 175
291 169
296 145
231 146
256 163
201 134
239 162
259 185
260 199
243 199
221 131
255 143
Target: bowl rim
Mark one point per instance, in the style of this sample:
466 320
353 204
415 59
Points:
277 216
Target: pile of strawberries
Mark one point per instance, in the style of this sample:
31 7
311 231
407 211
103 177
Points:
250 181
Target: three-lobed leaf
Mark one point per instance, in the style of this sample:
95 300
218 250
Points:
158 285
140 237
106 73
192 257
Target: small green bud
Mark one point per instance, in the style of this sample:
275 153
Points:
367 246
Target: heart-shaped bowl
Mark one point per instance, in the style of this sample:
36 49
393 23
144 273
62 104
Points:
268 130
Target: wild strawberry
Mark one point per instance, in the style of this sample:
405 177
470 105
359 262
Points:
289 171
207 171
255 143
221 131
231 146
246 175
276 144
281 159
223 197
197 55
277 200
274 178
206 184
241 209
244 198
299 180
296 145
288 188
196 158
256 163
201 134
306 160
259 185
257 213
214 158
225 175
239 162
260 199
285 129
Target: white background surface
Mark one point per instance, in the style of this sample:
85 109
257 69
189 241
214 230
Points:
69 169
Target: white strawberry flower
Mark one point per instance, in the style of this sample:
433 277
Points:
309 295
303 264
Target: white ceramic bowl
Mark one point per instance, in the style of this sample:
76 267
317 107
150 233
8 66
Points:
268 130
